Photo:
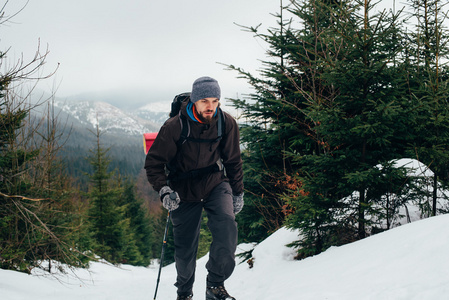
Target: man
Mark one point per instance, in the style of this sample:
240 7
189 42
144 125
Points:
197 181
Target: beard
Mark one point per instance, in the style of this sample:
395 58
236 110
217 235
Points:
205 119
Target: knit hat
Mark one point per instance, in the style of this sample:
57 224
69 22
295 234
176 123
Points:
205 87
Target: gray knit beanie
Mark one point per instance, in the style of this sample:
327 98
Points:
205 87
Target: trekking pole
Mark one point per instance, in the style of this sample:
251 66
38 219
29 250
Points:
164 243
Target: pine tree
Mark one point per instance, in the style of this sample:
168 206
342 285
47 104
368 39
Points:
274 122
109 228
139 225
12 162
362 129
63 211
429 93
25 233
276 116
334 103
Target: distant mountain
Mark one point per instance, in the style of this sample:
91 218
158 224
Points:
157 112
128 100
112 119
121 132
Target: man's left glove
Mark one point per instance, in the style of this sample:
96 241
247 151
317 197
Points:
170 199
237 201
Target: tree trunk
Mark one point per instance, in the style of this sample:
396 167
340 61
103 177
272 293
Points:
361 229
434 196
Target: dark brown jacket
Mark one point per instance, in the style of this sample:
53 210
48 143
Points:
194 155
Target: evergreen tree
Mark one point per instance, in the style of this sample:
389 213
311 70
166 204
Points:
139 223
62 211
429 93
38 211
120 223
109 228
33 223
365 126
334 103
274 122
12 163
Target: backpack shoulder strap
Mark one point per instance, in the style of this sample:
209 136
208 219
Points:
185 130
221 126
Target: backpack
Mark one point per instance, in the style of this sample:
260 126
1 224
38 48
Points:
177 102
148 138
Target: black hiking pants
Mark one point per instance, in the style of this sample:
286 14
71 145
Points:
186 221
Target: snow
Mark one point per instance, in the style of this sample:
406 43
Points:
407 262
415 167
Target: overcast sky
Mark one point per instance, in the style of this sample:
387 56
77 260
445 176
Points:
156 46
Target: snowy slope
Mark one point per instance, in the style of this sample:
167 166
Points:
408 262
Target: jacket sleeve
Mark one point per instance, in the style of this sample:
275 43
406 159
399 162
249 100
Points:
161 153
230 154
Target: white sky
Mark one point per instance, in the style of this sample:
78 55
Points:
152 47
105 45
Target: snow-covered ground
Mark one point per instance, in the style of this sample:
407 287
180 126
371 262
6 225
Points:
408 262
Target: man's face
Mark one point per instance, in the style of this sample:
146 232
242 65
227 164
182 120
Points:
206 108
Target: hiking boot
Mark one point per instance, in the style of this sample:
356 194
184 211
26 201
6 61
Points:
217 293
185 297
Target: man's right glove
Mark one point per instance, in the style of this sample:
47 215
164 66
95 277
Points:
170 199
237 201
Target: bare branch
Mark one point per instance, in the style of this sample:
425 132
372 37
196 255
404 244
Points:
23 197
